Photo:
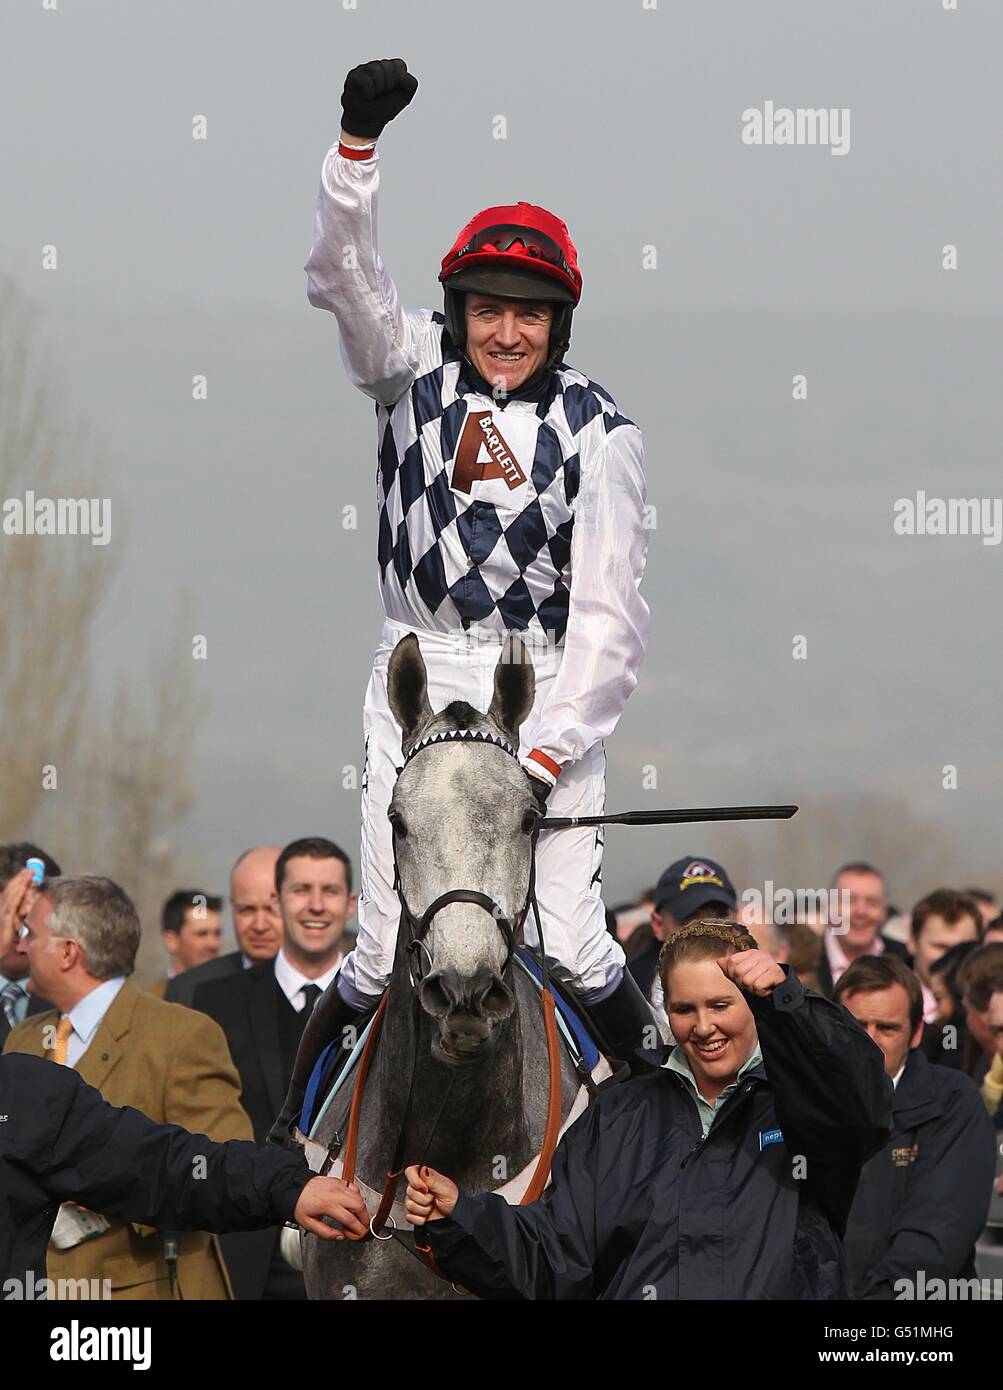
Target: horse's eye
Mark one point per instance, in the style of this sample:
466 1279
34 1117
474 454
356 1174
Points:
397 821
529 821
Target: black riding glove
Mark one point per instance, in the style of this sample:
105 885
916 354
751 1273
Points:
374 94
541 790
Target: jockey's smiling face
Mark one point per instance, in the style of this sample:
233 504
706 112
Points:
711 1022
507 339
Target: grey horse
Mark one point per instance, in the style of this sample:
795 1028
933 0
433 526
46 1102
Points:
459 1079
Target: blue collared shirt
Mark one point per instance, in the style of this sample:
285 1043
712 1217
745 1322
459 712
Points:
87 1015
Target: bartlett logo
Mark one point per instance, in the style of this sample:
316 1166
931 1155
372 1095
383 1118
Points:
482 454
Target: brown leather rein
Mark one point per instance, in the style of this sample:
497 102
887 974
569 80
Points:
541 1172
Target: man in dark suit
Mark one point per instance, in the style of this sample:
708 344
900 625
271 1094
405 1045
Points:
263 1011
257 925
863 912
16 1001
922 1201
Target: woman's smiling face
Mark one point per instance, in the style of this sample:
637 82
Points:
711 1022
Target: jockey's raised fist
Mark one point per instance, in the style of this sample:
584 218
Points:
374 94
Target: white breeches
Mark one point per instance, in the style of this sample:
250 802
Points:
580 950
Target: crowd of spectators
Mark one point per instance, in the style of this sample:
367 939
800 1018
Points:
927 987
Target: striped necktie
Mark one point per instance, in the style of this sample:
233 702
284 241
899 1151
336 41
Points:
10 997
63 1030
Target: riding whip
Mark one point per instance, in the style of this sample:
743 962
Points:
679 817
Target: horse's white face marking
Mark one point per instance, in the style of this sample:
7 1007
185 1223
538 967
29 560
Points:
463 805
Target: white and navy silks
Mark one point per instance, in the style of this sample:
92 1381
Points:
525 515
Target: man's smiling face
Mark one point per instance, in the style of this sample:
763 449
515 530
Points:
507 339
315 903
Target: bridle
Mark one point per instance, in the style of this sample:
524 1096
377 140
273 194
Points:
419 926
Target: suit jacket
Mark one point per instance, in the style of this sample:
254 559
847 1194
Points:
824 972
922 1201
247 1006
173 1065
36 1005
181 990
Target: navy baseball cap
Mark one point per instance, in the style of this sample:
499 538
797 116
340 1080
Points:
691 883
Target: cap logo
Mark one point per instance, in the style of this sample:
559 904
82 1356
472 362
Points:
696 872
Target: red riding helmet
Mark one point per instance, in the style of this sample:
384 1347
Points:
520 251
522 246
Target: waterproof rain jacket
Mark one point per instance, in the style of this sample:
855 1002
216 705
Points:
60 1141
642 1207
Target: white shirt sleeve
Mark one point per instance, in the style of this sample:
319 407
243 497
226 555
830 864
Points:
608 620
380 341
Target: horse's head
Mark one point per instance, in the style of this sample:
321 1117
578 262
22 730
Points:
463 815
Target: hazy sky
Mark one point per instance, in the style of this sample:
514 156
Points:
179 257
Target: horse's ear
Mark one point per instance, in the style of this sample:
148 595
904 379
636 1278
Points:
515 686
407 686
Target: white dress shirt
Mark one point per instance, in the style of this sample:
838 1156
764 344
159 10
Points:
292 982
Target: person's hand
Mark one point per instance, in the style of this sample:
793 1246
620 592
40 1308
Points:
341 1201
15 900
430 1195
374 94
754 971
999 1185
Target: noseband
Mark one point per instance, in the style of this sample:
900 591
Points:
419 927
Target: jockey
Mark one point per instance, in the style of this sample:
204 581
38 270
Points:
511 498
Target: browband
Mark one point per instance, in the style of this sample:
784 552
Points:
463 736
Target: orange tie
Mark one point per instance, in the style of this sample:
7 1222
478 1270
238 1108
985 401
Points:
63 1030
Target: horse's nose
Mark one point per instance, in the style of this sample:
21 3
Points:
481 998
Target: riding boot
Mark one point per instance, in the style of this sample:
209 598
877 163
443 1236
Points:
331 1016
626 1025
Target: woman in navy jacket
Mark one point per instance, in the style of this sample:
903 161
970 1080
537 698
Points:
728 1174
